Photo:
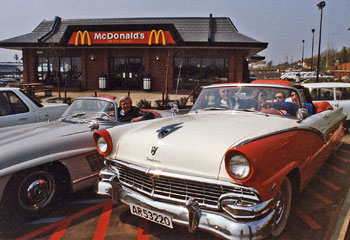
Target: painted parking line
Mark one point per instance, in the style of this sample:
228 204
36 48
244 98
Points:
62 224
60 231
334 168
343 159
343 150
328 183
319 197
103 222
306 219
142 232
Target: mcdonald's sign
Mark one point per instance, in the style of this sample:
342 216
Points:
81 36
156 36
125 37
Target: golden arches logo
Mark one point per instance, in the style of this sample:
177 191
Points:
81 35
157 35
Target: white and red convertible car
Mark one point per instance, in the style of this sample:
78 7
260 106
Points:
231 166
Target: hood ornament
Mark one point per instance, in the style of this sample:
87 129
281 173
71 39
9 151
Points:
166 130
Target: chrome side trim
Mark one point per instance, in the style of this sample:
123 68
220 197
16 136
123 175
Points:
85 178
302 128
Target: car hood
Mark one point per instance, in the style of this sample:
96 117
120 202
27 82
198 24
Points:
28 142
196 143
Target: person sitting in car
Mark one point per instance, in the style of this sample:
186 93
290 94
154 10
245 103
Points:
280 96
225 100
129 113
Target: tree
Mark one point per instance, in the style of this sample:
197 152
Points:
343 55
269 64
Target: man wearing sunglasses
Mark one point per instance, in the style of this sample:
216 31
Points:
280 96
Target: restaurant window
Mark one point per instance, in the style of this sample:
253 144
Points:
60 71
192 72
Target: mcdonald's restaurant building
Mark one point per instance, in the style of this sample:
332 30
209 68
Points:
158 54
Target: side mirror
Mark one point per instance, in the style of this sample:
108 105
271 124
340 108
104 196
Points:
94 126
301 114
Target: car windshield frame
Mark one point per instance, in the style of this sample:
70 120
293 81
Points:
91 109
244 97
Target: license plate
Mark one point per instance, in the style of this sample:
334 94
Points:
151 215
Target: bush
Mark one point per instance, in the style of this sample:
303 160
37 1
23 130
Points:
143 103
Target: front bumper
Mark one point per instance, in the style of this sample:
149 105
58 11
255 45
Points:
190 215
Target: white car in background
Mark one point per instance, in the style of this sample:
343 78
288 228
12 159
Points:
311 76
17 108
336 93
292 76
288 76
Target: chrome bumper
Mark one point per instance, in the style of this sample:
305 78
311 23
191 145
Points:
190 215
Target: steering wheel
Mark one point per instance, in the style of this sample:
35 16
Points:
268 108
103 116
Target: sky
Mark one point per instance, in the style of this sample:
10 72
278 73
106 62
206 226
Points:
283 24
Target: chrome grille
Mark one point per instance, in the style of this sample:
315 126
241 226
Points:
95 161
178 189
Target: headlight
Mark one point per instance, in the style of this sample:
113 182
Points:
238 166
102 144
103 140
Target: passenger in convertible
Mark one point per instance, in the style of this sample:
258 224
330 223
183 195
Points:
129 113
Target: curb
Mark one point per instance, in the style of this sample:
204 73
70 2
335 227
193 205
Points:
343 221
341 226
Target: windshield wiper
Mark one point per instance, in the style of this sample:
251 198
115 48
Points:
246 110
213 108
74 115
78 114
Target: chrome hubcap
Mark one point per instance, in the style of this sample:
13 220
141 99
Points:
36 190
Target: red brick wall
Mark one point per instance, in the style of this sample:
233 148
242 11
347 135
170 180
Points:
29 66
161 71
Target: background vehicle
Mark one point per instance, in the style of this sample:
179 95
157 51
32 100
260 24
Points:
336 93
234 166
311 77
40 161
288 76
18 108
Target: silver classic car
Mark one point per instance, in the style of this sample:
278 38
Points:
230 166
39 161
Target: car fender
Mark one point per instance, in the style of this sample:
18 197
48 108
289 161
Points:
44 160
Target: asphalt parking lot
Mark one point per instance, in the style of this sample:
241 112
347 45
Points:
319 212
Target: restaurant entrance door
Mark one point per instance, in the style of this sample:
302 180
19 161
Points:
126 73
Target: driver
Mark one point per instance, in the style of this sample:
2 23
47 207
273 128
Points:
226 100
129 113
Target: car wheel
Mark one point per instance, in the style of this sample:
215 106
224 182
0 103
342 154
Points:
29 194
282 207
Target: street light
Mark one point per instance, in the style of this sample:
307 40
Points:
312 48
302 56
320 6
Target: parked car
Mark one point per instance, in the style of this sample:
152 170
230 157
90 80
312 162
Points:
288 76
336 93
252 77
311 77
231 172
40 161
18 108
5 81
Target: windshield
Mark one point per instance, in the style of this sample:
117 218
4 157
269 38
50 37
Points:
91 109
274 100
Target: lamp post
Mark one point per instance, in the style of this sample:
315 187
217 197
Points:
302 56
312 48
320 6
